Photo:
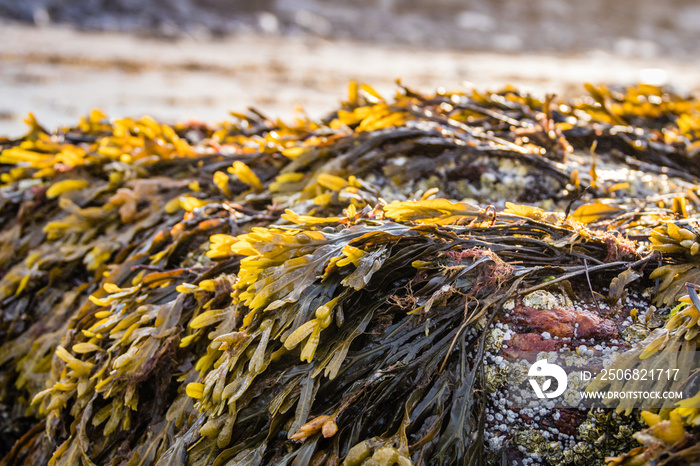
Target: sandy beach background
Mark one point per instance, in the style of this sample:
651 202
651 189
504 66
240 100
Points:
200 59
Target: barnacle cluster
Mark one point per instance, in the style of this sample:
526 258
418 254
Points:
336 291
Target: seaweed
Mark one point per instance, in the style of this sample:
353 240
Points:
262 292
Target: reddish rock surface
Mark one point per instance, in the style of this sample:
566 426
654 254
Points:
534 342
563 323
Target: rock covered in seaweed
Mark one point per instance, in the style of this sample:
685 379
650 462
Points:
338 290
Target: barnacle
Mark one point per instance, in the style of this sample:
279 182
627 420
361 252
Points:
326 290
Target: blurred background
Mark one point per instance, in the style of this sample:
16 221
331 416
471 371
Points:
197 59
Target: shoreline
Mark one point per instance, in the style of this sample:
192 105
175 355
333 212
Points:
59 74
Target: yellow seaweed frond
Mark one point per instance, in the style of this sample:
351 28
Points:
589 213
307 219
245 174
220 246
332 182
221 181
195 390
190 203
431 211
80 367
534 213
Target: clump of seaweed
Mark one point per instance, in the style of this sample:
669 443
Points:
674 346
318 292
